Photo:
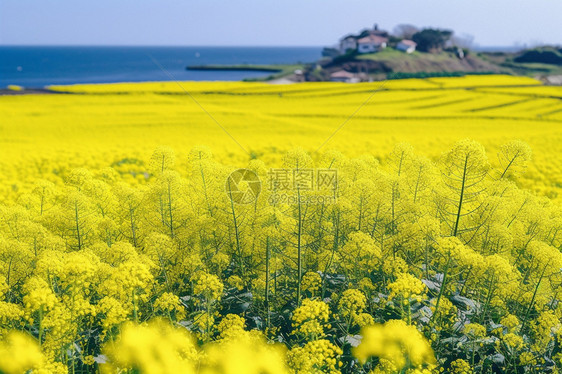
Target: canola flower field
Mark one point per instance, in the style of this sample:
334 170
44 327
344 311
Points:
430 240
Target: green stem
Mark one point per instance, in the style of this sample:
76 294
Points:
441 290
488 299
40 325
455 230
299 254
409 313
135 315
528 312
267 254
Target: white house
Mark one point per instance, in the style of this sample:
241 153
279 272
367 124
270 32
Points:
347 43
406 45
344 76
371 44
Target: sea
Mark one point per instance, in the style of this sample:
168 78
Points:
39 66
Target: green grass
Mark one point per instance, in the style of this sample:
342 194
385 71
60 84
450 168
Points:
533 68
391 54
423 75
505 60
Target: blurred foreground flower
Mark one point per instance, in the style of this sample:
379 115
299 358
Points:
395 344
160 348
19 353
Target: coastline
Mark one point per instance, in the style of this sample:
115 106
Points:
28 91
264 68
279 72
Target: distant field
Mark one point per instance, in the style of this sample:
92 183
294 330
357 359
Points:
121 124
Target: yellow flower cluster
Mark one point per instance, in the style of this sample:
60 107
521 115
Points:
446 315
352 302
513 340
19 354
475 330
316 357
366 285
545 328
170 305
511 322
527 358
38 295
311 318
130 281
460 366
157 347
451 248
152 348
10 313
208 286
247 352
395 266
360 253
3 286
351 306
407 286
113 313
363 319
231 325
311 282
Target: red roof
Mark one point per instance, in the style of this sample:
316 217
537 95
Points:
373 39
410 43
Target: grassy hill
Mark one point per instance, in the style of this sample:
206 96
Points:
389 61
517 64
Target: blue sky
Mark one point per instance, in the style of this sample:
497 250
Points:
268 22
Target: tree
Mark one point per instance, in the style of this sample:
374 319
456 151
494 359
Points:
405 31
431 40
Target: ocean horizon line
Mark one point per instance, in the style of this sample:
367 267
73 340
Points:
150 46
475 47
